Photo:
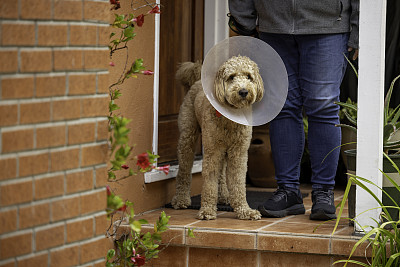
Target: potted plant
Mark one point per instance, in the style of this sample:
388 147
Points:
391 146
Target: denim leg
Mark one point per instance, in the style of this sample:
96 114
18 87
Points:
286 130
322 67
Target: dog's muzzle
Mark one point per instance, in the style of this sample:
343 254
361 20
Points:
243 93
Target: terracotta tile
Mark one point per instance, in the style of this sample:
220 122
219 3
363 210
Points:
200 257
228 220
178 217
173 236
361 259
287 243
276 259
170 256
344 247
222 239
302 228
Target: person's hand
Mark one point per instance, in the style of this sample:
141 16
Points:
355 55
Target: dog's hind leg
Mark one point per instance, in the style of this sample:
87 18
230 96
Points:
189 133
236 180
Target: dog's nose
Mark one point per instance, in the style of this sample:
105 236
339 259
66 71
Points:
243 93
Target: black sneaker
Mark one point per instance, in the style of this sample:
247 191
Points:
323 207
284 202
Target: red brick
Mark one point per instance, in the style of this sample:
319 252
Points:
49 237
67 10
33 164
92 155
65 208
34 215
52 35
17 34
9 263
8 61
49 187
102 83
8 167
15 245
12 88
79 230
36 260
35 112
81 133
83 35
17 140
50 86
64 159
8 221
94 107
68 60
102 224
38 9
9 9
102 130
94 250
16 193
93 202
82 84
94 10
8 115
101 177
36 61
96 59
66 109
79 181
67 256
50 136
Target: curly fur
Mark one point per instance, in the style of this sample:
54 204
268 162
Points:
225 143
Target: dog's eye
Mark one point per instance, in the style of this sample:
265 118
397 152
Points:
249 77
230 78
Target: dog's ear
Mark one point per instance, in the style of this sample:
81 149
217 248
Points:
219 85
260 85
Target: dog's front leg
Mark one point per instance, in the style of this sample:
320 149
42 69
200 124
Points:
236 181
212 166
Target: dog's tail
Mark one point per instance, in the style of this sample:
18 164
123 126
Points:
188 73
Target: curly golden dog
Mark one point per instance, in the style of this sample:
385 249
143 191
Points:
237 84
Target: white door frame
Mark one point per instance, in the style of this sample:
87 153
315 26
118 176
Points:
215 29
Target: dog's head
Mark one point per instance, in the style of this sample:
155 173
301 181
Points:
238 82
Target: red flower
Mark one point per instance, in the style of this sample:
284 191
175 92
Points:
111 64
143 161
123 208
115 4
154 10
108 191
165 169
125 167
139 20
148 72
139 260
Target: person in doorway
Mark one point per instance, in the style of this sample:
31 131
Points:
312 38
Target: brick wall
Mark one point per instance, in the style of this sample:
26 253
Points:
53 131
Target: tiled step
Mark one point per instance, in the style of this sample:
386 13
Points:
227 241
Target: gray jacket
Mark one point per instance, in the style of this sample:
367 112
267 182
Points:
299 16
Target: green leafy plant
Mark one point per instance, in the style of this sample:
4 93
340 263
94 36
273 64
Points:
136 248
384 238
391 123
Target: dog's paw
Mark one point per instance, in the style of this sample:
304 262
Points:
248 214
180 202
207 214
223 200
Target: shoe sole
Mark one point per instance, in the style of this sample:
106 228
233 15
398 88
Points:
320 215
293 210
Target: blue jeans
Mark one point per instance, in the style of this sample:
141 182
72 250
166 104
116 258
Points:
315 66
